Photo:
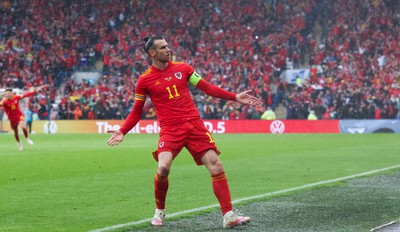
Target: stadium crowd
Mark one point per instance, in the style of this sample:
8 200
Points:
237 45
355 70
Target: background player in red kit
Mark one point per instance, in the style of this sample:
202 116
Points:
166 83
14 114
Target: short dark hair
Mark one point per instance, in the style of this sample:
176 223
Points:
149 42
9 89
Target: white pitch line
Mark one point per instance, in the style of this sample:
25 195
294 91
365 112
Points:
383 226
250 198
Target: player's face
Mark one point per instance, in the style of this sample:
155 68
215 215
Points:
162 52
8 94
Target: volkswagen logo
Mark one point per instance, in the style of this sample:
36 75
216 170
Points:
277 127
50 127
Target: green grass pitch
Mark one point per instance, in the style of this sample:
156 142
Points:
76 182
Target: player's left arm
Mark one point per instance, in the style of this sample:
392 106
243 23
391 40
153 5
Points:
31 93
28 94
215 91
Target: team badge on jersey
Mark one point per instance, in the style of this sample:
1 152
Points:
178 75
161 144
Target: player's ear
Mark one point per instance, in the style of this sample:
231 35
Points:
152 52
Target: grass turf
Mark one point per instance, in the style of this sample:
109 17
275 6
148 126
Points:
359 205
78 183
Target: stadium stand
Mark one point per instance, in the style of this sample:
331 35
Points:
351 50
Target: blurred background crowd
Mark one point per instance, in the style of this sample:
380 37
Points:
350 48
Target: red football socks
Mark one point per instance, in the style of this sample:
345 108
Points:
221 191
219 183
160 190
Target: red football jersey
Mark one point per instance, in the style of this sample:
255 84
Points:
169 93
11 107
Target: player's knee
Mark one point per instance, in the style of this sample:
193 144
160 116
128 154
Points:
215 167
218 167
163 170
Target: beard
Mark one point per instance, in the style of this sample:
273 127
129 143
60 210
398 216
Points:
163 58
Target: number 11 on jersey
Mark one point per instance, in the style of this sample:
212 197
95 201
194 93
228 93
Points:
170 92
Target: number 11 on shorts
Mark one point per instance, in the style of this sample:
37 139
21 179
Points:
209 135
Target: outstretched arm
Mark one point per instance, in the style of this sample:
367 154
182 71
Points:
132 119
116 137
31 93
216 91
40 88
245 98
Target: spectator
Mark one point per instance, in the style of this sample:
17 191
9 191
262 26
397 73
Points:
77 112
357 54
269 114
312 116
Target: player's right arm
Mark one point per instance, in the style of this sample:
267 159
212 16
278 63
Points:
132 119
134 116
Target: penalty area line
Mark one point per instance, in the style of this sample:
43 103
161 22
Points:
180 213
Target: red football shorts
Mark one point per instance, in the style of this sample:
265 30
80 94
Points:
15 122
192 134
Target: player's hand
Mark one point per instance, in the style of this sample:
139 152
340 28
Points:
41 88
245 98
116 137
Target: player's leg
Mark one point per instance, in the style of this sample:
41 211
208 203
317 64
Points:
14 126
161 178
219 180
202 147
171 142
221 190
161 186
22 124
